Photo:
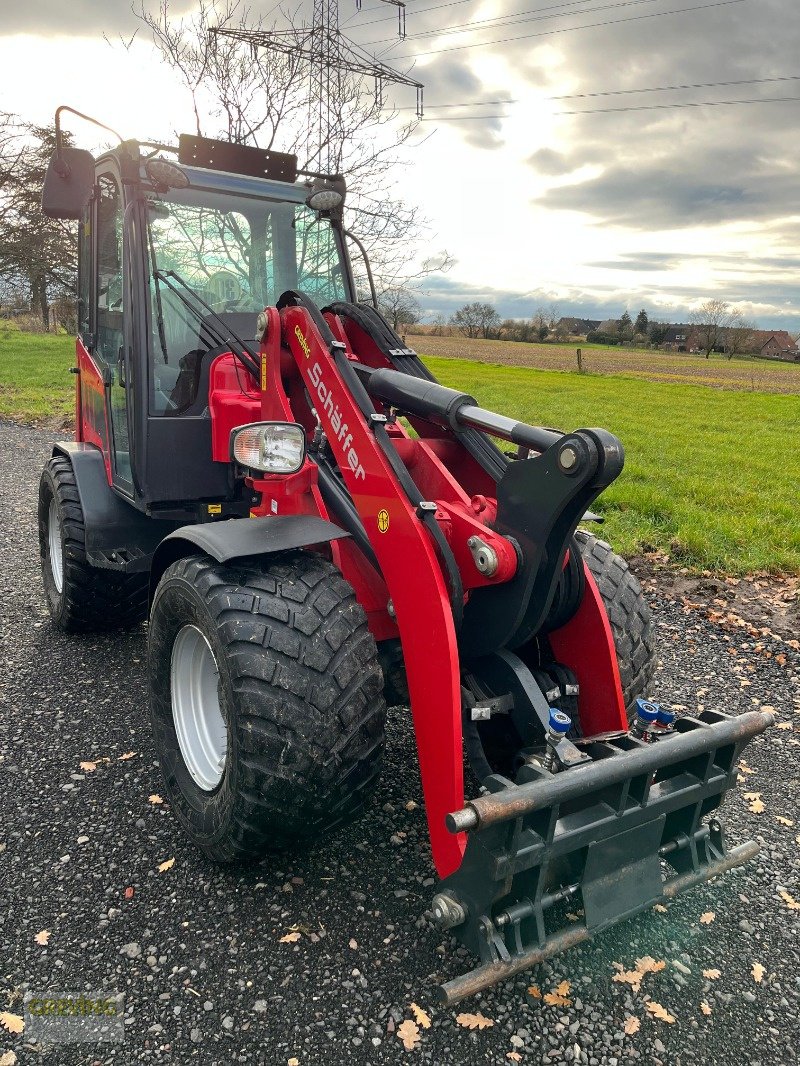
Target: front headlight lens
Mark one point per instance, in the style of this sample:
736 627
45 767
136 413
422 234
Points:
272 447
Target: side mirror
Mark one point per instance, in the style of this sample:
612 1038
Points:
68 183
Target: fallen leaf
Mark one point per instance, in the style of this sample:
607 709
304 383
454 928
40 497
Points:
353 945
411 805
408 1032
751 795
648 964
705 1007
660 908
758 972
12 1023
707 918
632 1025
164 866
8 1059
790 901
88 767
127 755
421 1016
474 1021
293 1062
552 999
290 938
745 768
534 992
514 1056
128 893
155 798
659 1012
782 820
43 937
784 725
712 975
563 989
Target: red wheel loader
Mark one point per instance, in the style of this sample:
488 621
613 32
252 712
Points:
314 527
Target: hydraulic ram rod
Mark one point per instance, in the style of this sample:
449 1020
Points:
524 799
449 407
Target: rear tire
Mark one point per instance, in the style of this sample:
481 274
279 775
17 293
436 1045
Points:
629 615
81 597
295 727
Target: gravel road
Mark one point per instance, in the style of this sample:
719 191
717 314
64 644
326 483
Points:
196 950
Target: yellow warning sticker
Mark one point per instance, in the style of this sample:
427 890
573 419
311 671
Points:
215 508
383 520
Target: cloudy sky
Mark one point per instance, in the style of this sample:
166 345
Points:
652 206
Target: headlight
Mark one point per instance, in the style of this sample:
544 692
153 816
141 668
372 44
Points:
272 447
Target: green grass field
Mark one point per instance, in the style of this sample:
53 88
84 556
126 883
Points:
35 382
711 476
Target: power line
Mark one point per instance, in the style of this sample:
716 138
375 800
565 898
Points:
465 103
570 29
502 20
422 11
669 88
664 107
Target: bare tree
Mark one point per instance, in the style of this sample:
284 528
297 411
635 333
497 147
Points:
739 335
476 320
712 320
400 308
258 97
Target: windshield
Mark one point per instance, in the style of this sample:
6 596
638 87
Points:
238 254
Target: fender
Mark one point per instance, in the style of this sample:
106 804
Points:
239 538
118 536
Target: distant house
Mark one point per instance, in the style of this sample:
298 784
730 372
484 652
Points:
677 338
774 344
577 326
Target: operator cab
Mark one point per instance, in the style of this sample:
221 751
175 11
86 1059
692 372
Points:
180 249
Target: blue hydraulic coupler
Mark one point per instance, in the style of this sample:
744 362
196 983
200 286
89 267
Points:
647 714
558 727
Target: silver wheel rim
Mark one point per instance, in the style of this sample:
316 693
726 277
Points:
194 683
54 543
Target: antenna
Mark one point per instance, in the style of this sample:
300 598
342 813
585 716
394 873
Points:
329 54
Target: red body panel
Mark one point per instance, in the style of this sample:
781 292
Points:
586 645
91 410
234 399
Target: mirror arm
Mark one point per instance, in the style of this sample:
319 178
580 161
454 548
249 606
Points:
362 249
61 165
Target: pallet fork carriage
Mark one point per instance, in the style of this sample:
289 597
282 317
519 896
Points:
315 527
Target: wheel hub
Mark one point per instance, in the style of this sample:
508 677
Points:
55 546
199 725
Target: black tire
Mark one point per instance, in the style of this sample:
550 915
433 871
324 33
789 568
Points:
300 692
90 598
629 615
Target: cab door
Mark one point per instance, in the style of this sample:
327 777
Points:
109 333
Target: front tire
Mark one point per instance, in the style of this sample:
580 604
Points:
266 701
629 615
81 597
